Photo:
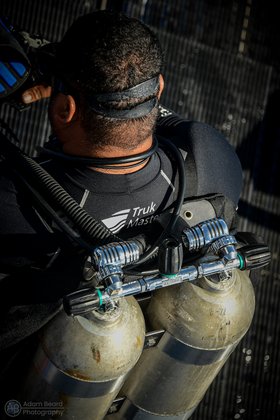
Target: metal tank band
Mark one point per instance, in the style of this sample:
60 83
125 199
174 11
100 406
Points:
192 355
71 385
181 352
130 411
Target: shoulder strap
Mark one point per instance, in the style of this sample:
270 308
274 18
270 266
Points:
191 173
210 158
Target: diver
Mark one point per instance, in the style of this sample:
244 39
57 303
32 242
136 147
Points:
107 151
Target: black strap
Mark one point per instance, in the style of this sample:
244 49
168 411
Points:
142 90
191 174
105 103
138 111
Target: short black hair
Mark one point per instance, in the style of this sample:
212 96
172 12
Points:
107 51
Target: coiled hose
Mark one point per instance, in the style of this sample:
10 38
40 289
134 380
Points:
89 228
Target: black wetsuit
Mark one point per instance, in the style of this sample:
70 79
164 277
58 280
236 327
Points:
121 202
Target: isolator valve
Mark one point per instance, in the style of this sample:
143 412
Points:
170 257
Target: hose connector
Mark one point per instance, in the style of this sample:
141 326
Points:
108 261
204 234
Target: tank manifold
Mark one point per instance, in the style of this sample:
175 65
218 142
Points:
221 257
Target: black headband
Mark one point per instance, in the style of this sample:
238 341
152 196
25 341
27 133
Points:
148 88
100 102
138 111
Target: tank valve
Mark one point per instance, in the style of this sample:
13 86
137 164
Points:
254 256
204 234
108 261
225 247
81 301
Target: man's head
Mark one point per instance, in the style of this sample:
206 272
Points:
106 52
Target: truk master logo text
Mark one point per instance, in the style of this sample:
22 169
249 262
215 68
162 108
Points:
137 216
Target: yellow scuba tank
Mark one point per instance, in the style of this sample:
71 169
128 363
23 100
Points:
82 362
201 324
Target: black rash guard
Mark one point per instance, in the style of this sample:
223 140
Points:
125 201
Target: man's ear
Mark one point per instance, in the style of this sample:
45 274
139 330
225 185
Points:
161 85
64 108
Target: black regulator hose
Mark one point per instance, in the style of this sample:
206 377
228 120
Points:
88 227
175 152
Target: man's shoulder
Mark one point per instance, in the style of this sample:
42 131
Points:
212 165
191 134
208 146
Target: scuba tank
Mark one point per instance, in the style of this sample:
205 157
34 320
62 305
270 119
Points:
81 362
200 325
194 324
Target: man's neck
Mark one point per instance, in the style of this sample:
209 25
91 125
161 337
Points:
84 149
